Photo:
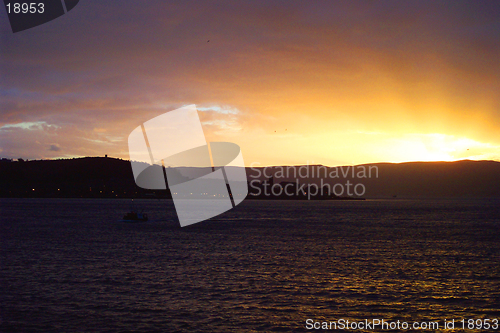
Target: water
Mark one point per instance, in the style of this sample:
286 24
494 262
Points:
68 265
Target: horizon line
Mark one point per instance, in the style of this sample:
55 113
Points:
247 166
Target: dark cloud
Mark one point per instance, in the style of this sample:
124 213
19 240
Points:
54 148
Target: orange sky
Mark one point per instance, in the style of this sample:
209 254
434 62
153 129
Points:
291 82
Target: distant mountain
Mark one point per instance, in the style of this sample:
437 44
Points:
88 177
102 177
401 180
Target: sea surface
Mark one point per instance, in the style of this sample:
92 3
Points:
70 265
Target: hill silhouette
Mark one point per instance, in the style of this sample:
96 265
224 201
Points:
402 180
88 177
103 177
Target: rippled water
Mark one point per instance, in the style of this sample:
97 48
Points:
70 266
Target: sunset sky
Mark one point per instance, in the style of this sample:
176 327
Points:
290 82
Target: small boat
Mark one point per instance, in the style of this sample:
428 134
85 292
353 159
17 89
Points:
135 217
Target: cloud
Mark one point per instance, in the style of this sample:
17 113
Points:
54 147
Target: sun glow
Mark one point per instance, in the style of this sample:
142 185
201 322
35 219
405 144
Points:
441 147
